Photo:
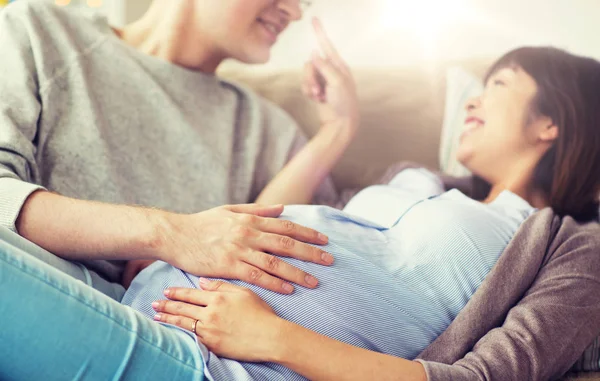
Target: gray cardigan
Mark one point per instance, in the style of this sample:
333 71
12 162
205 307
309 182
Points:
535 313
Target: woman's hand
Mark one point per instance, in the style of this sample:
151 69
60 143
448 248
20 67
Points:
329 82
234 242
235 323
232 321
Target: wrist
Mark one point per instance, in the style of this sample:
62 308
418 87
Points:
153 241
278 347
343 129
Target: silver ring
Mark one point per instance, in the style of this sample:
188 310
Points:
194 326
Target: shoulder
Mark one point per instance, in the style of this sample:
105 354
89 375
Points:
44 22
580 237
47 38
36 13
570 247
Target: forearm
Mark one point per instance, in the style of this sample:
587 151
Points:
76 229
318 357
298 181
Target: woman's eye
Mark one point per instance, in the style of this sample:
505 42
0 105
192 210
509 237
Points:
499 82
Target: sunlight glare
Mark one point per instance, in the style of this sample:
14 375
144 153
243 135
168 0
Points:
424 17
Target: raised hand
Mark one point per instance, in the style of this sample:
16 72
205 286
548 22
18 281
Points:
329 82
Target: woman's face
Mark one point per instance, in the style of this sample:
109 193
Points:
501 131
245 30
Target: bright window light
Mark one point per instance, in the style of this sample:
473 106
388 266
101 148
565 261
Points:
425 17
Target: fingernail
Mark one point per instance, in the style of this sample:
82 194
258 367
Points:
323 238
157 317
167 293
311 280
155 305
287 287
203 281
327 258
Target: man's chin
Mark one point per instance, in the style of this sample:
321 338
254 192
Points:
256 57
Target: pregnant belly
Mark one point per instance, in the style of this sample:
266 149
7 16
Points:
356 302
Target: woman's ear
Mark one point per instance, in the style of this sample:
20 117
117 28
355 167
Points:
548 131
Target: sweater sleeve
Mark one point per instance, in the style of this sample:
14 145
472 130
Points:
19 112
557 318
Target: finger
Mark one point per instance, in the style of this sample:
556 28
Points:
289 229
183 322
313 87
257 210
260 278
280 269
219 285
288 247
178 308
328 70
187 295
325 43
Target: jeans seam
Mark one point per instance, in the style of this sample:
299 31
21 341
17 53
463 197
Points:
27 272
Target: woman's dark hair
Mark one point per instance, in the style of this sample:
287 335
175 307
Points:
569 94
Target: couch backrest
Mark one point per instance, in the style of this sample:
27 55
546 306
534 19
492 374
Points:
401 115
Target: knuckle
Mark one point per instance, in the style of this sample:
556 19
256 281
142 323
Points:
229 260
248 219
178 321
178 307
254 275
287 243
242 231
232 251
273 262
213 318
219 299
288 226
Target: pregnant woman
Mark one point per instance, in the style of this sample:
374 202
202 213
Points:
409 255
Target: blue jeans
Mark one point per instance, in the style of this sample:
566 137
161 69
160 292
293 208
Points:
55 327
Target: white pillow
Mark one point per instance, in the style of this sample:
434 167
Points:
460 87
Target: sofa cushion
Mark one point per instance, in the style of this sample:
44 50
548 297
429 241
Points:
401 110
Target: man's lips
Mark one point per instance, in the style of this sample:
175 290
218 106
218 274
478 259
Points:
272 28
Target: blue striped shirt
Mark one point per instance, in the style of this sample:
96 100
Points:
408 258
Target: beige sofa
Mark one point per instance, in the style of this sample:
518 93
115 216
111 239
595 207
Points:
402 112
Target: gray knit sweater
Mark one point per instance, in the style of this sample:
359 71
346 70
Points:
87 116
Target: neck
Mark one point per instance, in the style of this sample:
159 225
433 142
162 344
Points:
520 182
167 31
